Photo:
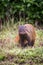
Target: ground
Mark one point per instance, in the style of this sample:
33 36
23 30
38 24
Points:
12 54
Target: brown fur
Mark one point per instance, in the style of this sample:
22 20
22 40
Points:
27 38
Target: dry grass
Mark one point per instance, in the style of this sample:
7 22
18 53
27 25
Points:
11 54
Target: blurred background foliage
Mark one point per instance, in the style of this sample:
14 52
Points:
28 11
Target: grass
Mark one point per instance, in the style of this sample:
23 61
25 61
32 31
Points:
11 54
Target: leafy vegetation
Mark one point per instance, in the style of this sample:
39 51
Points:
29 11
12 14
11 53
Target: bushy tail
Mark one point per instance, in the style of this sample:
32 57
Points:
16 38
